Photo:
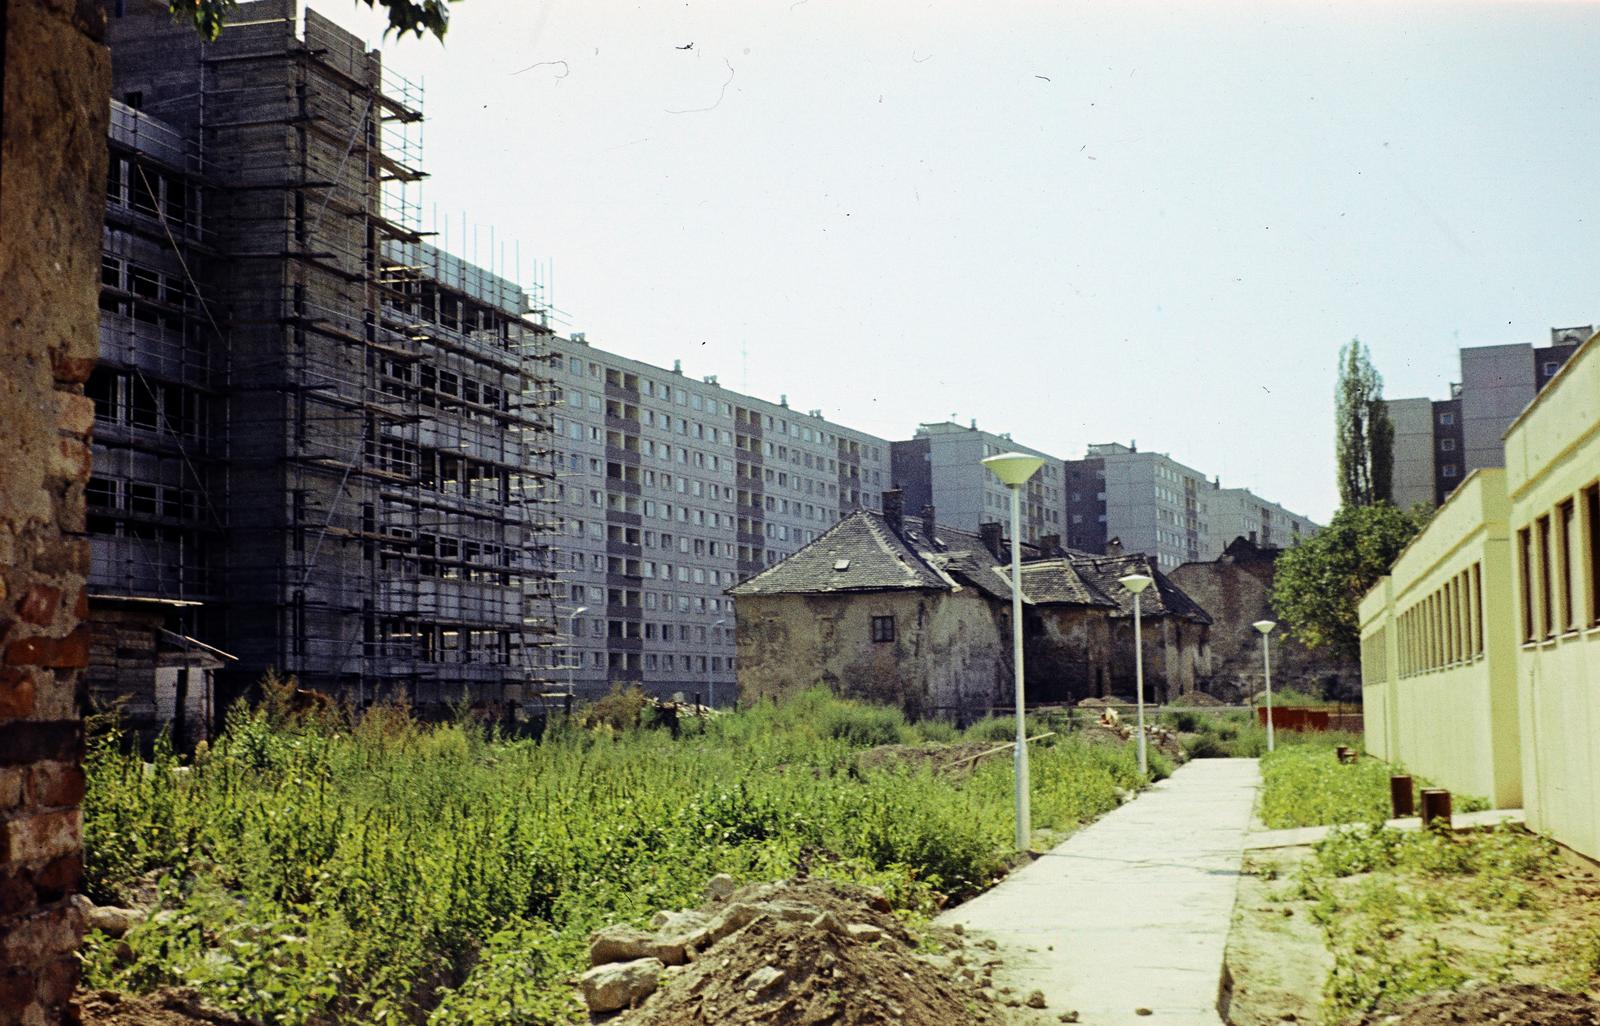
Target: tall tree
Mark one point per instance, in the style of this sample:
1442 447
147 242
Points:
1318 584
1364 434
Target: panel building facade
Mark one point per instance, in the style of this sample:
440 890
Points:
941 466
672 489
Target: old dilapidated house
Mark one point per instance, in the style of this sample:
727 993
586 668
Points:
903 611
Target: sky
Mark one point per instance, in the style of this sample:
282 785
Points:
1076 222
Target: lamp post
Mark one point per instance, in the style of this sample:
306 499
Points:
1265 627
1136 583
572 632
711 674
1013 469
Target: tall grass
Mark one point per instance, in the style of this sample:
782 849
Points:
1306 785
385 871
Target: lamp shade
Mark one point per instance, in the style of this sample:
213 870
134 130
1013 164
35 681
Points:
580 609
1013 468
1135 583
1265 626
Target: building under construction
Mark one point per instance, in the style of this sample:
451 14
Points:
322 444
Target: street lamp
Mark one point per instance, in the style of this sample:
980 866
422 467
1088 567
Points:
1013 469
711 675
1265 627
1136 583
572 632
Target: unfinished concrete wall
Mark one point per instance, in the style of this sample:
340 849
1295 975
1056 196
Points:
947 659
52 169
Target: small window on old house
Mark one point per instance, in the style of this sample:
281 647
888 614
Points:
883 628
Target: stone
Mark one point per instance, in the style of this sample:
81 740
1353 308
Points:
735 917
864 933
618 985
110 920
1035 999
720 887
41 837
828 923
620 943
765 978
1071 1015
1142 1011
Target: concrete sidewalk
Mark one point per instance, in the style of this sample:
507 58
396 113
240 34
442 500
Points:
1258 840
1133 911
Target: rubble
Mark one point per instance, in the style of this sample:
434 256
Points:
797 952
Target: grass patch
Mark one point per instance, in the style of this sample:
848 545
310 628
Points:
384 871
1408 913
1304 784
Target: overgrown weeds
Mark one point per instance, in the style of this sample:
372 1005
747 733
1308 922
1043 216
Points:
312 869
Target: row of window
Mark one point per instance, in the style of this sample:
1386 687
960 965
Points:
132 399
1445 628
1558 567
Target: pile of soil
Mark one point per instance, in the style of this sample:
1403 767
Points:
170 1006
1194 698
1512 1004
958 758
816 951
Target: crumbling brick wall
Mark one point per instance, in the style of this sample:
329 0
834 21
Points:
52 169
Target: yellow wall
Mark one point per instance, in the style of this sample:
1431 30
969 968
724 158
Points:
1438 651
1552 459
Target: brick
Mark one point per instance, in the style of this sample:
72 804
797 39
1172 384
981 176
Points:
72 460
72 369
17 894
59 879
42 837
17 695
68 653
56 783
58 980
11 780
74 413
80 607
40 938
23 741
39 604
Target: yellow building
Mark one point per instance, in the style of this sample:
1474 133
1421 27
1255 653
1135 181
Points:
1553 482
1438 651
1481 649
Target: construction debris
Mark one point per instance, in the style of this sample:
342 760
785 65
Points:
796 952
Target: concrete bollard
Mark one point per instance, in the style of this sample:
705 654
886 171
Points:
1436 809
1402 797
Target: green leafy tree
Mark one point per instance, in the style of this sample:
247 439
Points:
1318 584
417 18
1363 431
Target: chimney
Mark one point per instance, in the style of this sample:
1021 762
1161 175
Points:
894 509
974 425
990 533
677 366
783 400
1049 544
927 524
1114 547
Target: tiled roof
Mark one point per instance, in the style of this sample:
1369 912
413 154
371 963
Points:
1061 581
1165 598
872 558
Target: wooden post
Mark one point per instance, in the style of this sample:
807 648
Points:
1436 809
1402 797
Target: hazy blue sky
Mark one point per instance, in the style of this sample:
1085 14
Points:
1074 222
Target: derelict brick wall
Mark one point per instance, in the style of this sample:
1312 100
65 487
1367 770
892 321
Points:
52 172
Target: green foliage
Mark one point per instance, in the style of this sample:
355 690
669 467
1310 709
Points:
1372 886
1304 784
312 869
1001 729
1363 432
418 18
1318 584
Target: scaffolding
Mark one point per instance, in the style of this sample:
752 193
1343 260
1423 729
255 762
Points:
372 450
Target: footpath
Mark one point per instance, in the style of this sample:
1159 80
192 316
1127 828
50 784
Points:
1127 921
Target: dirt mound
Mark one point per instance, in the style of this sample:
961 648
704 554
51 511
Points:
172 1006
1194 698
793 953
957 758
1514 1004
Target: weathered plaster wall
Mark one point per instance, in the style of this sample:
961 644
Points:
1237 594
52 170
1177 656
1067 654
948 658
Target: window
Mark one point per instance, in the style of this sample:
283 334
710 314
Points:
1448 470
1547 623
1447 418
882 628
1525 579
1591 505
1566 514
1447 445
